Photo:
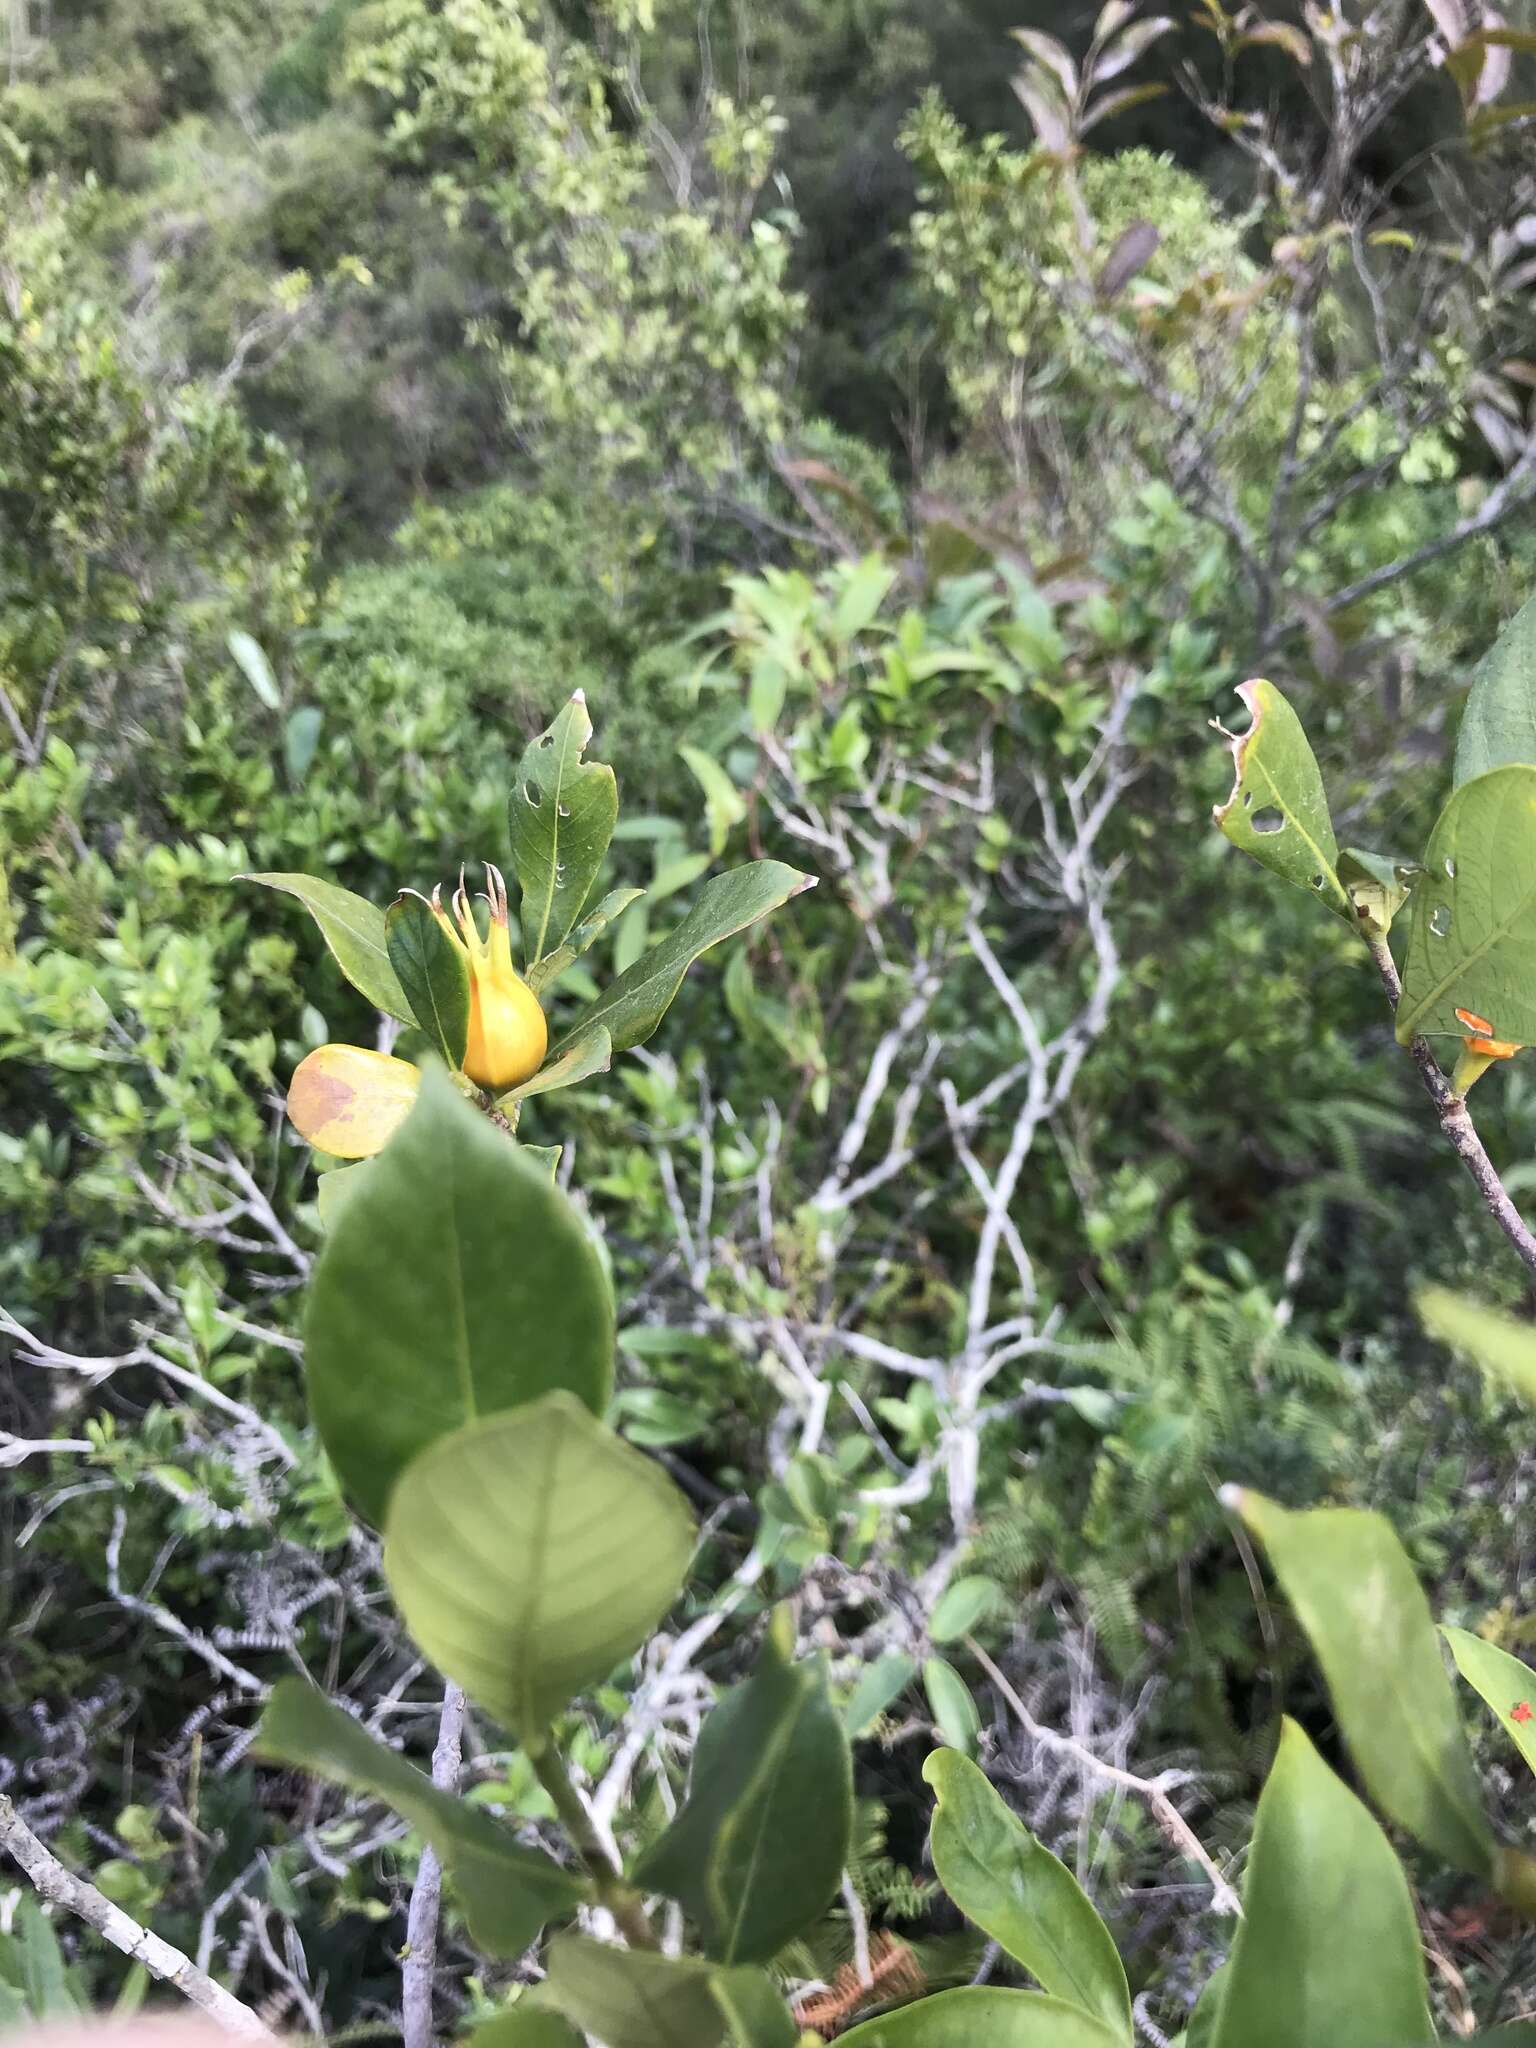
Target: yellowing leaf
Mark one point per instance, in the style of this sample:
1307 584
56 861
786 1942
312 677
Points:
349 1101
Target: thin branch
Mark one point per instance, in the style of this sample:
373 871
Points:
426 1896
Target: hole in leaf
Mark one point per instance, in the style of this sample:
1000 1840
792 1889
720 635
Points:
546 739
1269 820
1450 869
1317 881
1440 923
532 795
564 810
1247 799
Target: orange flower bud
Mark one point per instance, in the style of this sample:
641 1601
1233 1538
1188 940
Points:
508 1035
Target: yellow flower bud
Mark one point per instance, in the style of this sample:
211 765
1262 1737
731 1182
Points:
508 1036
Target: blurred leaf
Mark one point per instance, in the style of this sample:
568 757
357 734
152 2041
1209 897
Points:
879 1687
1328 1946
865 588
456 1282
1019 1894
1278 811
531 1552
525 2026
757 1851
1472 941
635 1004
562 812
1356 1595
723 803
980 2017
592 1054
962 1604
432 969
950 1703
755 2009
301 738
354 931
1500 1345
508 1892
256 669
1503 1683
630 1998
336 1188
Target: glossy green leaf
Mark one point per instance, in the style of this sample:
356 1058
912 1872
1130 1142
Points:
354 931
543 973
1503 1683
1472 940
962 1604
1328 1946
433 971
508 1892
531 1552
879 1687
633 1005
755 2012
588 1056
256 668
1017 1892
1377 886
1501 1345
630 1998
1278 809
456 1281
525 2026
1498 726
981 2017
1355 1593
758 1850
950 1703
562 812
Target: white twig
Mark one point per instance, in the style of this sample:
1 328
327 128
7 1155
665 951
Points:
426 1896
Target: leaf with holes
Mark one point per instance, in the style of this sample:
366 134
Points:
531 1552
1472 941
562 812
544 973
456 1281
1498 726
1017 1892
1323 1892
353 928
508 1892
981 2017
635 1004
1378 886
1278 810
758 1850
1355 1593
1501 1682
434 972
630 1998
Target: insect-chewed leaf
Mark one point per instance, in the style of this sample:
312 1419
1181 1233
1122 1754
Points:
508 1891
629 1998
433 971
1328 1948
758 1849
983 2018
456 1281
1498 727
562 812
1278 809
1017 1892
353 928
530 1553
1355 1593
349 1101
1472 942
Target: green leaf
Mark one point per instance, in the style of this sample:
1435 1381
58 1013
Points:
879 1686
723 805
433 971
335 1188
1472 942
354 931
1206 2017
543 973
635 1004
1503 1683
1501 1346
962 1604
456 1281
45 1978
1377 886
950 1703
301 738
1354 1591
1021 1895
531 1552
525 2026
588 1056
1328 1946
1278 810
255 667
756 2013
979 2017
758 1849
508 1892
1498 726
630 1998
562 812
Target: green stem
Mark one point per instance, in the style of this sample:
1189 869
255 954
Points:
621 1899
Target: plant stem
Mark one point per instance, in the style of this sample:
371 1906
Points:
1456 1121
621 1899
426 1898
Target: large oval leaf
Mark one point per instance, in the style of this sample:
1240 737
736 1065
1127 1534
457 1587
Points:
1472 940
1278 809
1328 1946
980 2017
1021 1895
353 928
508 1892
1356 1595
532 1552
562 812
1499 724
757 1851
456 1281
628 1998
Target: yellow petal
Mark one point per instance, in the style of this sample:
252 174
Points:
348 1101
